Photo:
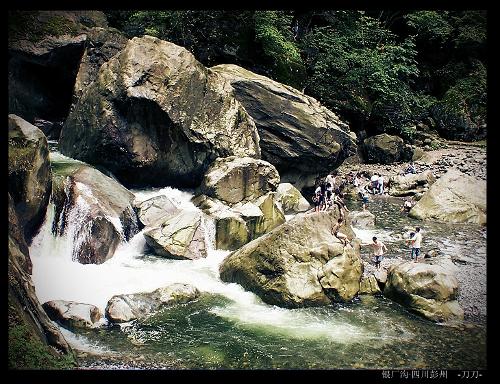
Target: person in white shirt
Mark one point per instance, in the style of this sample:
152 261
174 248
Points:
378 249
416 241
381 184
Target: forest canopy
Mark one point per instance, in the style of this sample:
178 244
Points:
381 71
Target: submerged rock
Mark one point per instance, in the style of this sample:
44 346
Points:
71 314
411 184
362 219
299 263
123 308
156 116
455 198
30 177
429 290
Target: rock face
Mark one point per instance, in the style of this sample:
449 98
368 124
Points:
234 179
123 308
297 134
45 48
411 184
291 199
30 178
369 286
155 211
179 237
429 290
456 198
362 219
156 116
385 149
95 209
298 264
243 222
71 314
21 291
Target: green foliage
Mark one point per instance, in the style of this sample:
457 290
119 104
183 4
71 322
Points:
26 352
379 70
467 98
25 25
433 25
273 31
360 68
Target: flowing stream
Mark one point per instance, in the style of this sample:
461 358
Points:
228 327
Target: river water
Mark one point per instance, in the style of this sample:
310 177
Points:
228 327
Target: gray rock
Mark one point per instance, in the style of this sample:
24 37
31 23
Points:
385 149
180 237
71 314
156 116
155 211
297 134
233 180
124 308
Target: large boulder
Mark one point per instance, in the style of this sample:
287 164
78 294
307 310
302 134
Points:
71 314
299 263
180 237
429 290
23 302
45 49
411 184
30 177
233 180
297 134
455 198
369 285
155 211
291 199
156 116
385 149
124 308
92 208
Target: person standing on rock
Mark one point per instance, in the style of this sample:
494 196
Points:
317 199
339 235
378 249
416 240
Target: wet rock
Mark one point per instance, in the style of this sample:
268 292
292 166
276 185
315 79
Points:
30 176
153 212
71 314
124 308
369 286
96 208
410 184
180 237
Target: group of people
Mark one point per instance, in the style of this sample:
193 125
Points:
330 191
